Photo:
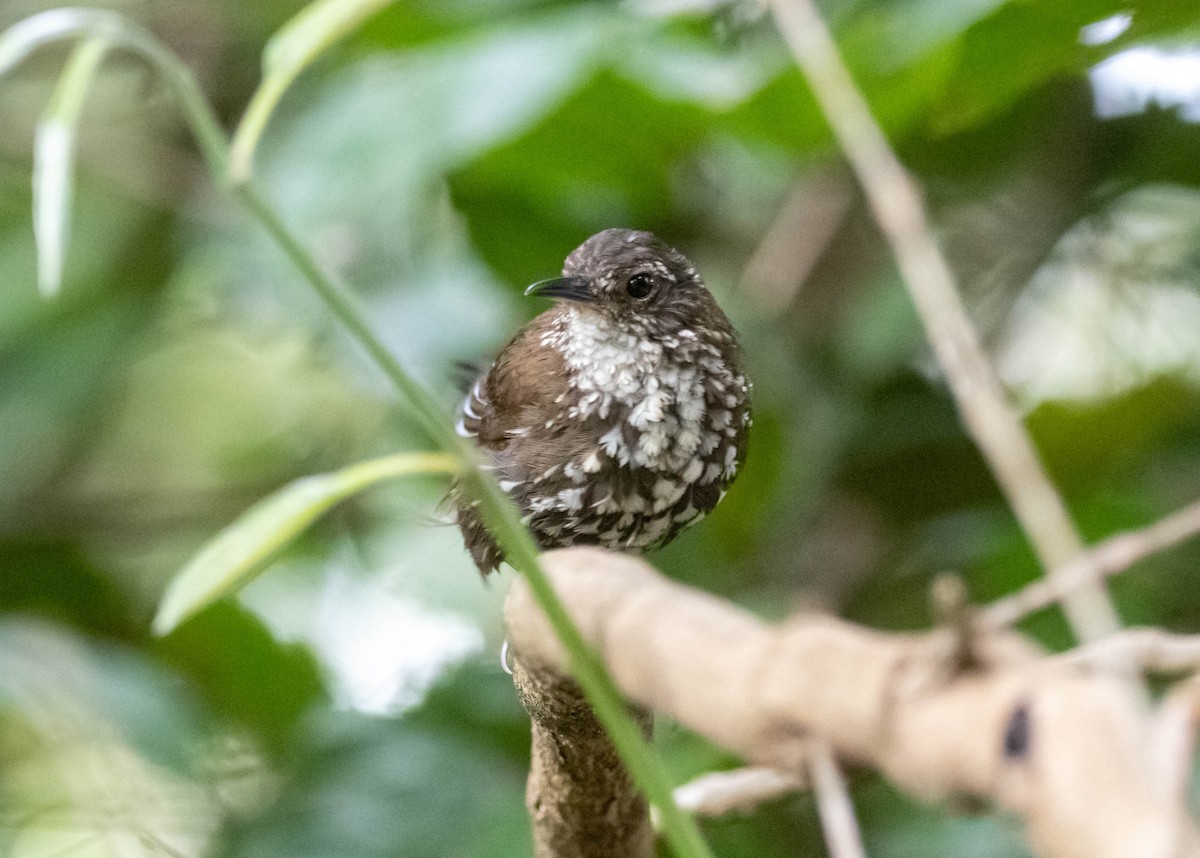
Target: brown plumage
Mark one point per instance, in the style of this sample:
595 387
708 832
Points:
619 416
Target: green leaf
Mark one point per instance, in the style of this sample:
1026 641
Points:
316 27
243 549
245 675
54 161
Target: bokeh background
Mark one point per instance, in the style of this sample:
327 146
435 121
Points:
350 702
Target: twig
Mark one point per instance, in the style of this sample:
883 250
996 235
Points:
898 208
1152 650
742 790
796 239
953 612
1110 557
838 821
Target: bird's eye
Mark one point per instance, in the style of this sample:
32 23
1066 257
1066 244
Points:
639 286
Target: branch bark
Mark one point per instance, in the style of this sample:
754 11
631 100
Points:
581 800
1070 753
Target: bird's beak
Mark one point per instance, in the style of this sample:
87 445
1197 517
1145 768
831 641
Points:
567 288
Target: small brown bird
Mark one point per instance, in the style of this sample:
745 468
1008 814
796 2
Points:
619 416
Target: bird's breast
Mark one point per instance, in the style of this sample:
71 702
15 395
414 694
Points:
663 402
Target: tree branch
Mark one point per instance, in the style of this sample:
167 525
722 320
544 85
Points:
896 203
1152 650
1018 730
1110 557
581 800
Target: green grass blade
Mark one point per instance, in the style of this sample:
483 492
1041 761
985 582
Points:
20 40
26 36
243 549
301 40
54 162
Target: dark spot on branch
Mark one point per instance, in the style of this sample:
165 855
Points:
1017 733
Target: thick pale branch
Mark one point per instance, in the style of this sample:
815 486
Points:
1071 753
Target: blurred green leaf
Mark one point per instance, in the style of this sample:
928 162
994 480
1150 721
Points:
579 169
903 31
239 552
46 668
1090 443
898 827
312 30
100 748
57 375
372 788
245 675
52 579
317 26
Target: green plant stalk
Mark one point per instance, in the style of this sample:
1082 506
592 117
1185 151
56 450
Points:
254 122
499 512
293 47
56 25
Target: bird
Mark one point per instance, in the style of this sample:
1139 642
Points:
619 416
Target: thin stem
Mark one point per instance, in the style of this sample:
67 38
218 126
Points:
1110 557
838 822
291 49
743 790
1153 650
900 213
56 25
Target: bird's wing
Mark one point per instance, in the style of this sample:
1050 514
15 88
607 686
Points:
474 408
522 388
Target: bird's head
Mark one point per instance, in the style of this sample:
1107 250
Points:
630 276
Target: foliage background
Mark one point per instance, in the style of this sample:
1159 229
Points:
351 702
